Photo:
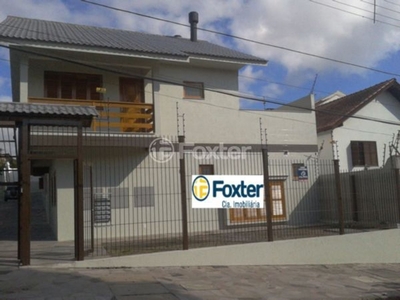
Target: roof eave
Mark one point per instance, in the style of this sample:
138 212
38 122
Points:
229 60
329 127
96 50
10 42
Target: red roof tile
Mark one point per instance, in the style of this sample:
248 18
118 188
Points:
334 113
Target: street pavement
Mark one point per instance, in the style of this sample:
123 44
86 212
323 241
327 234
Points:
378 281
47 281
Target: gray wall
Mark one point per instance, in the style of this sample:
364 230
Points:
369 198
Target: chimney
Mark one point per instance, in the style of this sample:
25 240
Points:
193 20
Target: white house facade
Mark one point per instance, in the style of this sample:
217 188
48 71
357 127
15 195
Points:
146 87
361 129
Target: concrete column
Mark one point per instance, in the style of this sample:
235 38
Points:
23 76
65 200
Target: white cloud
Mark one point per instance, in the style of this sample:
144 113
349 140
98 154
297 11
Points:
272 90
248 78
5 99
295 24
301 25
4 55
308 27
251 79
3 81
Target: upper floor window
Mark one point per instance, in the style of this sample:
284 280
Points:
193 90
72 85
364 153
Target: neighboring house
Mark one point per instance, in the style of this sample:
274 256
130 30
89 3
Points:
142 85
346 130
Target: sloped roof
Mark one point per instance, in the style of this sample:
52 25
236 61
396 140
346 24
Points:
13 110
24 29
334 113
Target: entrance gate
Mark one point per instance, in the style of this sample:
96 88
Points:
36 138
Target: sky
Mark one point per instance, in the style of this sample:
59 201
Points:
350 31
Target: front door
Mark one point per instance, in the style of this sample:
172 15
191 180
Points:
131 90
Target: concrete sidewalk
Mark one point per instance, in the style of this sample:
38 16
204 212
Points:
380 281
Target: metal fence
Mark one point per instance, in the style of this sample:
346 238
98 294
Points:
370 199
131 200
137 195
135 204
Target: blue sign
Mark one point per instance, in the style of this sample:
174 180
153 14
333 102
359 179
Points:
302 173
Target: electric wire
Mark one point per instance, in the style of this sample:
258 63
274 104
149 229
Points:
283 84
247 39
391 2
366 10
205 89
76 41
354 14
383 7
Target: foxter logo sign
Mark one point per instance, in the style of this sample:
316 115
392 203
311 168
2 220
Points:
227 191
200 188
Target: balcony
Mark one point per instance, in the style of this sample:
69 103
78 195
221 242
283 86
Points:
116 116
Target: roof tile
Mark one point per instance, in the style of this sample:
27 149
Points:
17 28
334 113
46 109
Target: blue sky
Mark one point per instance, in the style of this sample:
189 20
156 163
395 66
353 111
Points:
339 30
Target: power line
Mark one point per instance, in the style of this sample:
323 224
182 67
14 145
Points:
393 3
354 14
206 89
283 84
366 10
324 92
383 7
246 39
72 40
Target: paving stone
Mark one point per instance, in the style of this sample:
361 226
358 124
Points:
194 283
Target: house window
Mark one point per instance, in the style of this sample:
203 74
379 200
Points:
72 85
206 169
248 215
193 90
131 90
364 153
295 170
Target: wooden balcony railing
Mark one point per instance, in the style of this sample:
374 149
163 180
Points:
118 116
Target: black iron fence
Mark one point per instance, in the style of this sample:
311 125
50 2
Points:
135 202
369 199
138 195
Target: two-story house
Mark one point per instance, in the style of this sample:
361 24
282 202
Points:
147 86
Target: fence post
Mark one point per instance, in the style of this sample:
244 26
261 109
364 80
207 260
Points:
397 179
24 219
182 173
268 202
339 196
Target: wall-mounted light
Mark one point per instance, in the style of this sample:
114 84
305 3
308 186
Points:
101 90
